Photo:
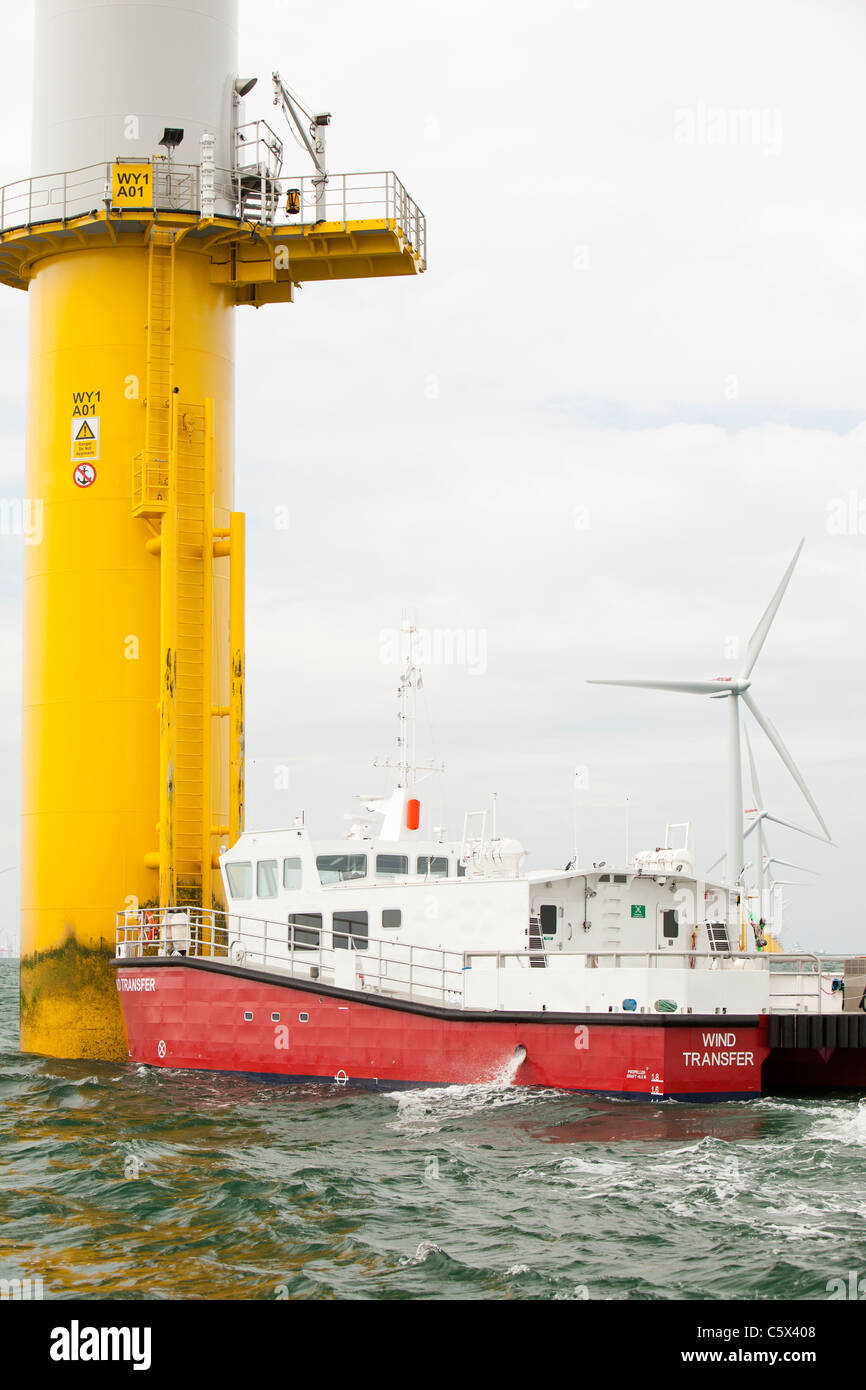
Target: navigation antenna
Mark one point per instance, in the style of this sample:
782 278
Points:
411 681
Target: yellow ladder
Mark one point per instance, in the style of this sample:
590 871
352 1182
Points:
192 699
152 467
160 344
173 479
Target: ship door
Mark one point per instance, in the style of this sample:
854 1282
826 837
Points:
548 915
668 928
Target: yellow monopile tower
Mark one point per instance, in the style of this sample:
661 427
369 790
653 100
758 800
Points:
155 208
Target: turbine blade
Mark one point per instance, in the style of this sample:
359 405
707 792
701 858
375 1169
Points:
790 825
753 772
786 864
681 687
775 739
758 637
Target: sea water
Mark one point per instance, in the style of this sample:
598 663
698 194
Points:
119 1181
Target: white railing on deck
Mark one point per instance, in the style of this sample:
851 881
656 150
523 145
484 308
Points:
375 964
384 966
348 198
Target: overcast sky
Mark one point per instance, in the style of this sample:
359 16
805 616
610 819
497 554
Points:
590 436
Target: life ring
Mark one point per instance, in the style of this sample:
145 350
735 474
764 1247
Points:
238 952
148 930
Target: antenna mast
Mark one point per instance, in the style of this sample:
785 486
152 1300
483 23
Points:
407 695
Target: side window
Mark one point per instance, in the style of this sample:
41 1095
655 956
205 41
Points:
266 878
392 917
548 914
434 866
391 865
461 870
292 875
671 923
240 877
340 868
305 930
350 926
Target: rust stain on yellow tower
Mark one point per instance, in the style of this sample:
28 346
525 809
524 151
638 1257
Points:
133 723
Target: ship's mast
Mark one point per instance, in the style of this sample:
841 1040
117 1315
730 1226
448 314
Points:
411 682
410 678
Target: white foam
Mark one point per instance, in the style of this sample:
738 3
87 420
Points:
424 1110
844 1124
422 1254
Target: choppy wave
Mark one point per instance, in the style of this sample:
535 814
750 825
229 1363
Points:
125 1182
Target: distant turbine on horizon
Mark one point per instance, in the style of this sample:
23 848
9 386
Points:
735 689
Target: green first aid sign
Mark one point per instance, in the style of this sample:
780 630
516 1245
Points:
638 910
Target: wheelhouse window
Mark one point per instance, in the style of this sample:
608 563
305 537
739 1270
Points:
392 917
350 928
266 878
435 866
292 874
240 877
340 868
392 865
305 930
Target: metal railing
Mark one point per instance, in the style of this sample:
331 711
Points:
346 198
340 954
157 931
150 478
374 964
363 197
257 147
58 197
806 974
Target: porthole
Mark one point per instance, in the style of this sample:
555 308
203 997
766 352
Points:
303 1018
248 1018
275 1018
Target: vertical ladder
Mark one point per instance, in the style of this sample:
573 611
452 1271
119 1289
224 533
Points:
160 356
193 612
536 943
173 479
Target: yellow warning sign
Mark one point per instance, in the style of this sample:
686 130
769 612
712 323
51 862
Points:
132 186
85 438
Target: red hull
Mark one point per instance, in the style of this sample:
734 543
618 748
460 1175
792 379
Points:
191 1014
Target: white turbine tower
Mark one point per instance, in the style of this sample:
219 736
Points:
763 857
735 689
757 816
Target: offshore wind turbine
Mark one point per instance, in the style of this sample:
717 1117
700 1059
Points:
763 858
736 689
